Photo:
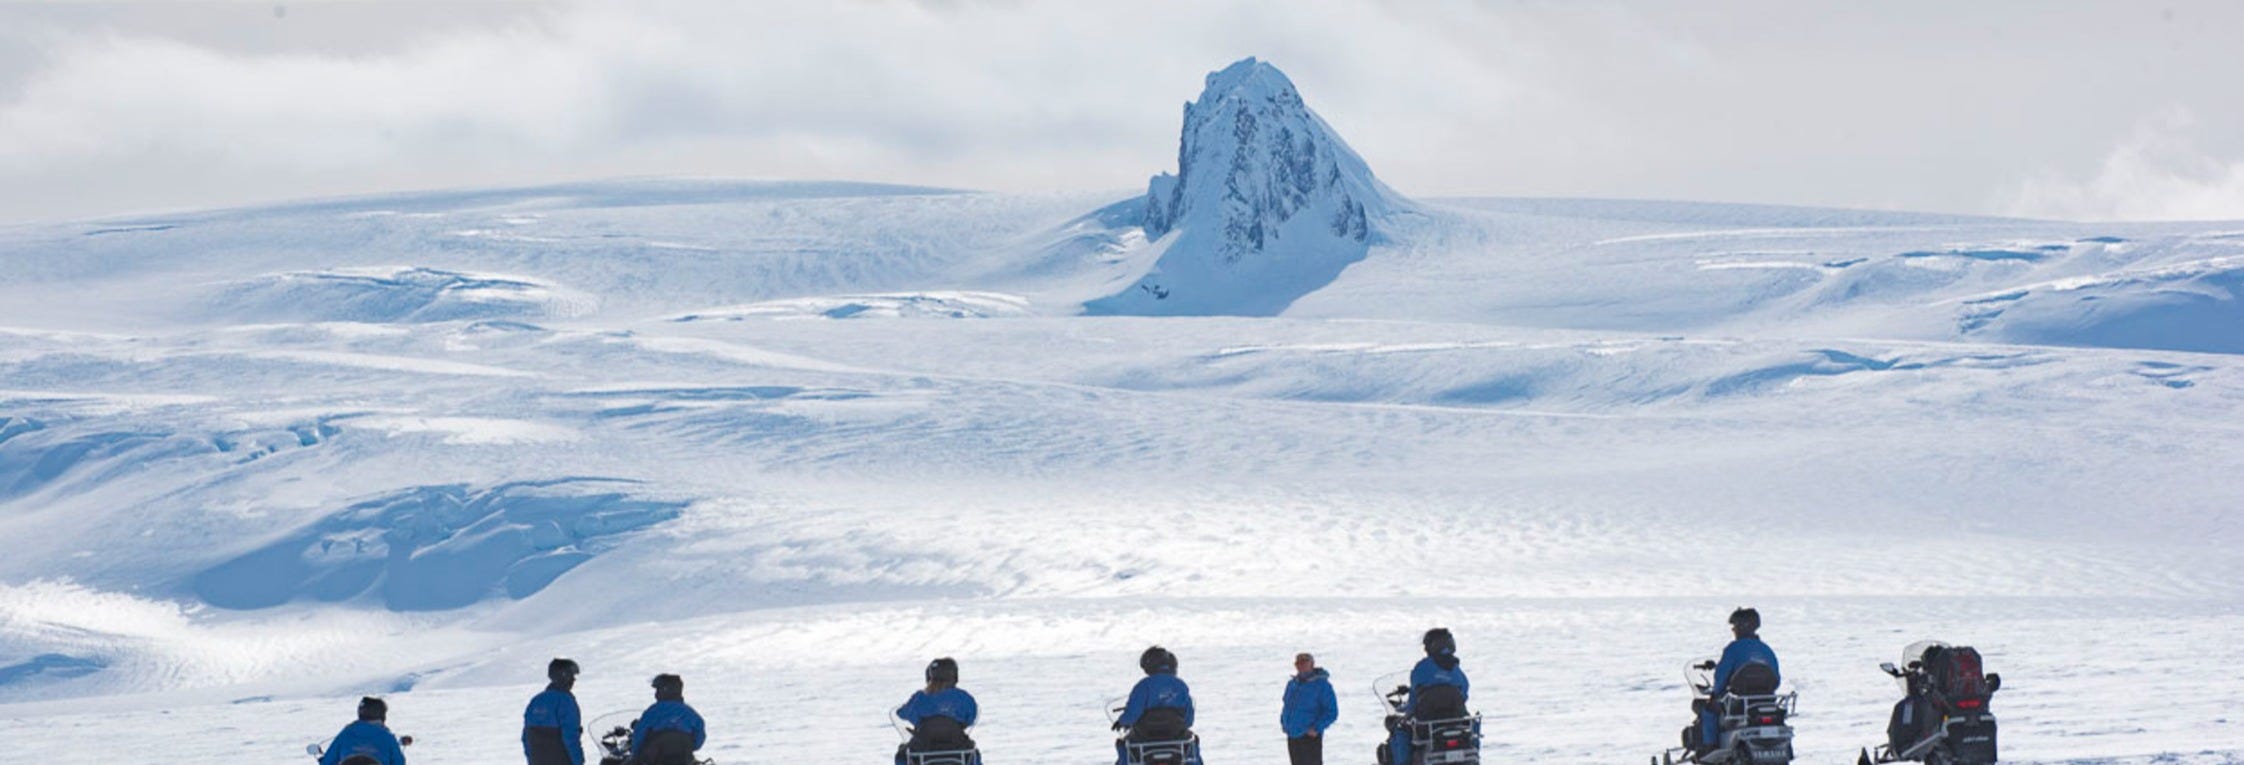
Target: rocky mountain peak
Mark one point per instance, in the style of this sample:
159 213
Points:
1263 188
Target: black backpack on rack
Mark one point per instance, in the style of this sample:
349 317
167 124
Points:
1957 680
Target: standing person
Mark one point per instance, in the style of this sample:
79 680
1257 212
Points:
552 726
1745 648
669 732
939 714
1310 708
367 741
1160 707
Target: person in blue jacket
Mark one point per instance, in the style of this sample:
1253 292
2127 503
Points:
368 738
1745 648
940 714
552 726
1440 669
657 737
1310 708
1160 707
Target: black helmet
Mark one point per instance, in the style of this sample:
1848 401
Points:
1439 642
668 686
559 670
943 670
1157 660
371 709
1746 620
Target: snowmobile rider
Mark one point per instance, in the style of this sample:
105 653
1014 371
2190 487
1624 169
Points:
553 726
366 741
939 714
1438 691
1309 709
1160 707
669 732
1747 648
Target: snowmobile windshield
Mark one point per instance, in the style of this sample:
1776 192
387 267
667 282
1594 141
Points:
1383 688
603 737
1916 651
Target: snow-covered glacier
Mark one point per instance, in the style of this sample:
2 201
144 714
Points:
791 440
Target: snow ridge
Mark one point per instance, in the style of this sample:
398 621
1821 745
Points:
1267 204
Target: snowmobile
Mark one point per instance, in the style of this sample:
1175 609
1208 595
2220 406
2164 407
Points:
935 741
1750 715
1943 716
1159 738
611 738
1443 733
317 751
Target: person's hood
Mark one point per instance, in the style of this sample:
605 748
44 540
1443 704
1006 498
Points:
1314 673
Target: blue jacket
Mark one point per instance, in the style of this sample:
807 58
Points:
668 715
1430 673
950 702
367 738
555 709
1155 691
1310 704
1740 652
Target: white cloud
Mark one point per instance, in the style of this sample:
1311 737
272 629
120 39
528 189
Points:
1029 96
110 108
2156 173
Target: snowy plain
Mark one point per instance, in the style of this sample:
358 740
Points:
791 440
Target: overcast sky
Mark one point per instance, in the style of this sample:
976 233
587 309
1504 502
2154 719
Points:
2126 109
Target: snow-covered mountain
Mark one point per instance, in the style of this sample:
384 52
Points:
1267 204
793 439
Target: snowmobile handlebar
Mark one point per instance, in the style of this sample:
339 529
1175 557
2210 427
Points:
1699 676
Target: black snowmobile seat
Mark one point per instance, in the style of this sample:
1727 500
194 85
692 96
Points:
1755 679
1440 702
1161 724
666 747
939 734
1907 725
